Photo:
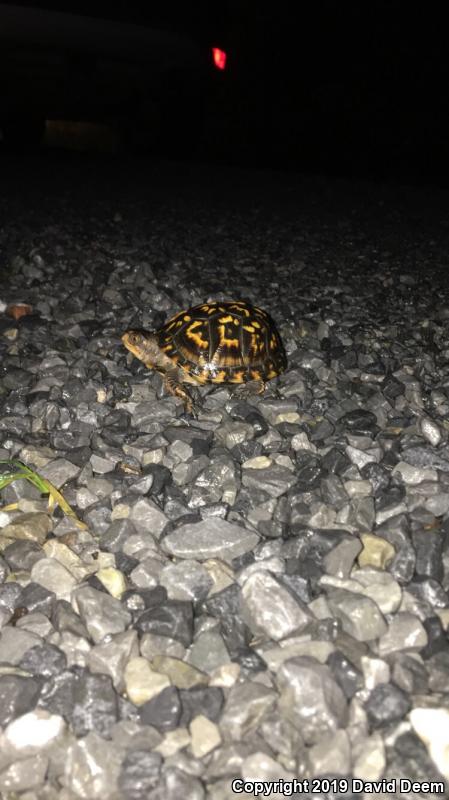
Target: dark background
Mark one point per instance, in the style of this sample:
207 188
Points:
328 87
351 88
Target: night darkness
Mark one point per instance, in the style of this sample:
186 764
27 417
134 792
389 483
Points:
327 87
351 87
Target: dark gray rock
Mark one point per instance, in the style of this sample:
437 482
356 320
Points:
9 595
22 554
44 660
429 550
140 773
58 693
95 705
18 695
35 597
163 711
116 535
346 674
173 618
386 703
205 700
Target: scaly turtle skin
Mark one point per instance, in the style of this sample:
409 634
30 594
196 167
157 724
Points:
217 342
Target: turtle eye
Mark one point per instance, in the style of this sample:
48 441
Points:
134 337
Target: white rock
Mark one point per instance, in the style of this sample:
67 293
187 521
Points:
413 475
432 727
34 731
113 580
142 682
172 742
258 462
205 736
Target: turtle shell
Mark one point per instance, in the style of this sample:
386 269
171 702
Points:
224 342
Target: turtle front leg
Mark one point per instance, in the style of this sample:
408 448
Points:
175 387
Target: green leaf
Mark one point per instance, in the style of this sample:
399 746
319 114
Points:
42 484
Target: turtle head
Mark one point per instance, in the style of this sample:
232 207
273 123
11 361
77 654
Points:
144 346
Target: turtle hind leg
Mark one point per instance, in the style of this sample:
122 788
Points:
249 389
174 386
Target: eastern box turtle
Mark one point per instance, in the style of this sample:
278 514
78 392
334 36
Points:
217 342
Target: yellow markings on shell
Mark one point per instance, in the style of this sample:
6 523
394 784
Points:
224 341
255 374
196 337
220 377
241 308
255 323
206 307
223 320
273 342
186 318
250 329
167 347
272 374
237 377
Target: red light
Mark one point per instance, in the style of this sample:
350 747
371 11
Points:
219 57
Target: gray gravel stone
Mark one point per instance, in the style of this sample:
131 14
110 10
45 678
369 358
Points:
208 651
339 561
111 656
22 554
275 480
14 643
187 580
244 709
139 774
405 632
386 703
163 711
52 575
269 607
173 618
211 538
18 695
34 527
359 615
101 613
332 755
147 517
311 699
92 767
60 471
43 660
24 775
95 705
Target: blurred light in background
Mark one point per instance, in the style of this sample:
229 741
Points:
219 57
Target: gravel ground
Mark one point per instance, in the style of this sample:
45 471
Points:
261 593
